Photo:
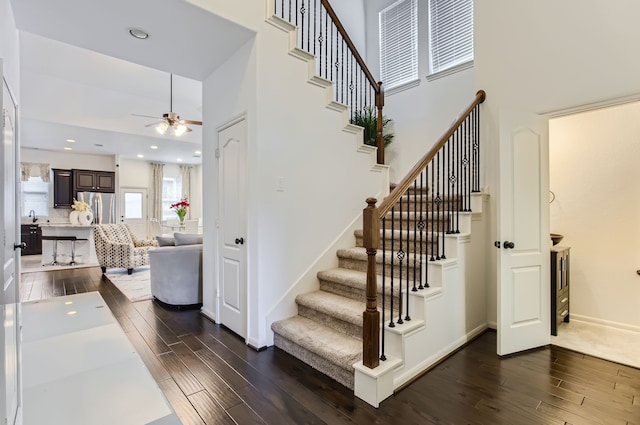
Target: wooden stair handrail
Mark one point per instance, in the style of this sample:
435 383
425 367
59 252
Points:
377 85
350 44
404 185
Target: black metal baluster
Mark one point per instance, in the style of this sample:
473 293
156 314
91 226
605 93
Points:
433 212
442 204
407 317
315 25
415 232
400 255
458 173
393 262
424 178
468 165
326 44
384 278
447 204
477 109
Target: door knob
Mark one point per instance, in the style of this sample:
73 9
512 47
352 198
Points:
22 245
508 245
239 241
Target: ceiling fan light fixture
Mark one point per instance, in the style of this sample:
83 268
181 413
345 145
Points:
162 127
179 129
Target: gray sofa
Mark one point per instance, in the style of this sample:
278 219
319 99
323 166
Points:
176 270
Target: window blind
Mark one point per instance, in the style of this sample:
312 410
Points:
450 33
399 43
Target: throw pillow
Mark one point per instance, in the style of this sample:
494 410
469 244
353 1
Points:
187 238
165 241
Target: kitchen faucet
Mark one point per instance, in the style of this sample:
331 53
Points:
33 213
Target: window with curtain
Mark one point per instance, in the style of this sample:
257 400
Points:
171 193
450 35
399 44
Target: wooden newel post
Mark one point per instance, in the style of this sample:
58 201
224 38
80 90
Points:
379 129
371 316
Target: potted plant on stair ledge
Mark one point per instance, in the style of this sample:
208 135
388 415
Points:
369 121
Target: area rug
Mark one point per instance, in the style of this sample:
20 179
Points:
135 286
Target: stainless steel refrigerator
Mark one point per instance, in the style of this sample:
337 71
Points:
103 206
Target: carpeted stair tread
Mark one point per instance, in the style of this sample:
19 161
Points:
359 253
339 307
334 346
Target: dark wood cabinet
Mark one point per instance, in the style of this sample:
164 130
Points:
94 181
31 234
560 278
62 188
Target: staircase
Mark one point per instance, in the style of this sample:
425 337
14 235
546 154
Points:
327 332
429 295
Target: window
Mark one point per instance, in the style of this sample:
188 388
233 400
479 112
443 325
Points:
399 44
171 193
450 34
35 196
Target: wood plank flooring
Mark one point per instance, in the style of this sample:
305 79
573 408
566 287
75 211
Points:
210 376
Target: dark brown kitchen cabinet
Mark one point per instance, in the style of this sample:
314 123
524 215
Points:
31 234
62 188
94 181
560 260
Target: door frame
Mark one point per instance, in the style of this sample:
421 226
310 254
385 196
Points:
145 205
12 239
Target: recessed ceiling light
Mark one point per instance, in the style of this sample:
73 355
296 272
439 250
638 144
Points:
138 33
179 159
71 140
140 155
98 145
67 148
197 152
153 147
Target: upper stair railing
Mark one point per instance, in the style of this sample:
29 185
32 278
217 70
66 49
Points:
412 222
321 33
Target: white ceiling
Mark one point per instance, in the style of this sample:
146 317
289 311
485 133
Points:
83 75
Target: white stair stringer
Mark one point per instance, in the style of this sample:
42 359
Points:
444 317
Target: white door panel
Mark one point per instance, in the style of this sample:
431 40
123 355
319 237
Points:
10 387
232 273
523 275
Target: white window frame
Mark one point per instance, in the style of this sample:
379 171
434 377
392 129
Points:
450 37
35 185
398 32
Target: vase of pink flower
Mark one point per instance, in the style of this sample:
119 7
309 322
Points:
181 208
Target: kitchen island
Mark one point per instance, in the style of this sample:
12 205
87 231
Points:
85 252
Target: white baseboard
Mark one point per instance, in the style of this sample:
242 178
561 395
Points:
607 323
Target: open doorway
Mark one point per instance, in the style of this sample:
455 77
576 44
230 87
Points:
595 205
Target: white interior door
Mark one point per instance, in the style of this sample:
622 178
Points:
10 389
523 224
133 210
232 278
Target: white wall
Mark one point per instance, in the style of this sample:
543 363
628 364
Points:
544 56
9 50
594 175
69 160
420 114
352 16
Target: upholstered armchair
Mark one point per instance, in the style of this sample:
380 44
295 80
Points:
117 247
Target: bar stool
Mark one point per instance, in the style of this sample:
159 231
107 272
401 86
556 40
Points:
73 248
55 240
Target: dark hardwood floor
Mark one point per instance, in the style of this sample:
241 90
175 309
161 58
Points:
210 376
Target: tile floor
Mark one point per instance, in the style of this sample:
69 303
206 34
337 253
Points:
74 353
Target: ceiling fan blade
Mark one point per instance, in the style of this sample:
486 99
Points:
153 123
145 116
191 122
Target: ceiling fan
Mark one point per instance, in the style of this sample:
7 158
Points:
171 121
